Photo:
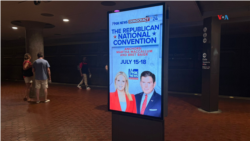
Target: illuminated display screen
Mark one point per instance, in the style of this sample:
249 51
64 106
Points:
135 60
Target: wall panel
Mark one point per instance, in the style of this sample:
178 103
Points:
185 56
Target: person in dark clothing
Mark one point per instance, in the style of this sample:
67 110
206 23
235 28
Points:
84 72
27 75
149 101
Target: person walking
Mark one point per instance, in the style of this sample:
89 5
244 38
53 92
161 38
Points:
41 68
27 75
84 72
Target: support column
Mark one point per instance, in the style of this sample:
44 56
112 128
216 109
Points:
34 44
34 39
210 64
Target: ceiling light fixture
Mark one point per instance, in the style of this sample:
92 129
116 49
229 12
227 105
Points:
66 20
108 3
37 2
47 14
14 28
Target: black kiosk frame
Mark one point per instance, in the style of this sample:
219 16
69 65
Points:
129 126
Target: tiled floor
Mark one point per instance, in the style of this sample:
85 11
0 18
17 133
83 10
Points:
74 115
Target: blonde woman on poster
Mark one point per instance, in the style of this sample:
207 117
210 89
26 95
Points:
121 99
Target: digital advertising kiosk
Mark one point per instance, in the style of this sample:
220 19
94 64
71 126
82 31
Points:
138 72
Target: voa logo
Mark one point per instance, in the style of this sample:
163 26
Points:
223 17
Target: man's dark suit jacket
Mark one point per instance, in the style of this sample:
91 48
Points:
154 105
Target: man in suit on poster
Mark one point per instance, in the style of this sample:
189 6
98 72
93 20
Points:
148 102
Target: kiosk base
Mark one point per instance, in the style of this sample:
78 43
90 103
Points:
128 128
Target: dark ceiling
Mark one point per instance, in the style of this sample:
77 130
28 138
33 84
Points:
91 16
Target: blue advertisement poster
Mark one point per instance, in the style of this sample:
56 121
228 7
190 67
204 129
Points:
135 51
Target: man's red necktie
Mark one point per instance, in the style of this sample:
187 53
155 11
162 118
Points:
144 104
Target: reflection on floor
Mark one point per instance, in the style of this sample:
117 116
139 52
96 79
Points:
80 115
